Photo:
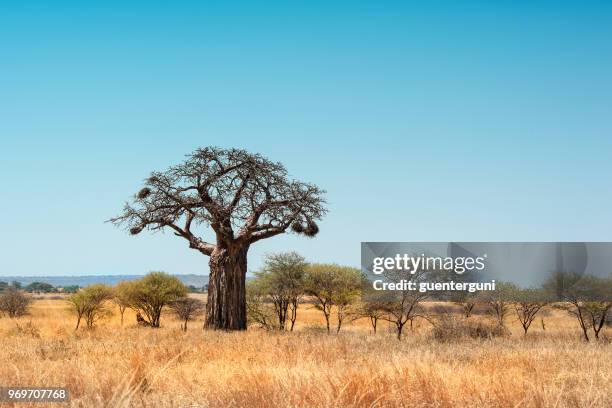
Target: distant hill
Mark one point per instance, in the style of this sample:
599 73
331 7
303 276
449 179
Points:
196 280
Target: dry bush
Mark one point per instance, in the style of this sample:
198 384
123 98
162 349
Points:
450 328
14 302
25 329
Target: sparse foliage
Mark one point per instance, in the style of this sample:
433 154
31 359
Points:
588 298
467 301
258 311
89 303
499 301
121 297
332 285
243 198
403 306
187 309
528 303
14 302
349 289
374 310
282 283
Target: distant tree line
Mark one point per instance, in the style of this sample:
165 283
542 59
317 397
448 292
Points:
39 287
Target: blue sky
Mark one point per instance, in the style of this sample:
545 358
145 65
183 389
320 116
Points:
424 121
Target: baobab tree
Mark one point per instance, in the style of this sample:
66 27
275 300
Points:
243 198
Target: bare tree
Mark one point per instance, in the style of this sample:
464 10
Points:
467 301
186 309
500 301
243 198
14 302
403 306
374 311
588 298
372 305
528 303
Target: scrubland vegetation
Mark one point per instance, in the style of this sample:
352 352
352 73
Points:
130 365
316 338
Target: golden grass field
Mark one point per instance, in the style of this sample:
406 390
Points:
114 366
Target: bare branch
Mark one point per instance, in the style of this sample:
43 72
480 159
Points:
226 191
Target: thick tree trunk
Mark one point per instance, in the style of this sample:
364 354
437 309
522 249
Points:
226 306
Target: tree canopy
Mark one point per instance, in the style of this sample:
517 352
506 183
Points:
150 294
243 197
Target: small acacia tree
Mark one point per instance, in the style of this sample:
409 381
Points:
187 309
243 198
121 297
332 285
499 301
527 305
403 306
372 305
282 282
374 310
14 302
78 305
345 299
89 303
150 294
586 297
96 298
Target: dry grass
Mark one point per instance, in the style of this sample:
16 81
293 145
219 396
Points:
131 366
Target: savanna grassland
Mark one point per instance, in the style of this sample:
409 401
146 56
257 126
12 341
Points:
115 366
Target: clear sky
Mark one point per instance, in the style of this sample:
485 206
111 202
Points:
424 121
